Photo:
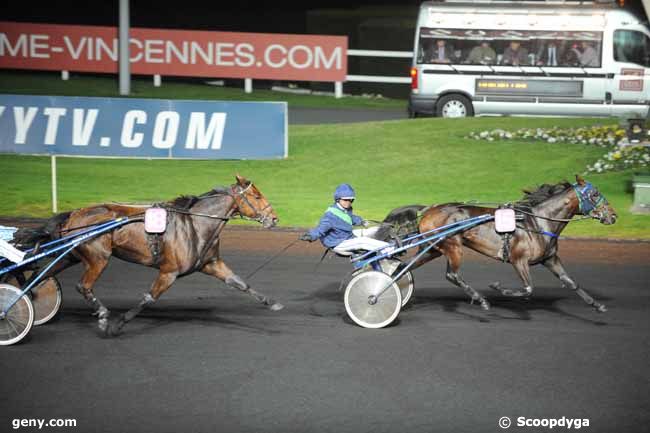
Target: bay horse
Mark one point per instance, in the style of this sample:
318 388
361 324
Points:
546 211
189 243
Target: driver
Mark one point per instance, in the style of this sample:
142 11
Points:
335 227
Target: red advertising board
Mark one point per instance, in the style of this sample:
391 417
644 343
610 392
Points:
175 52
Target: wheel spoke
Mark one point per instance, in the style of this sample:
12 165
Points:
11 323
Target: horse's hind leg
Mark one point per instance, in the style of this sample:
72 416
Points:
554 264
220 270
454 253
94 268
523 270
428 256
159 286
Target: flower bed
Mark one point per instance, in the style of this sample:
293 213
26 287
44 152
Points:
621 153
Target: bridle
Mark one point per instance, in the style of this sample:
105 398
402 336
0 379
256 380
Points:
589 199
260 215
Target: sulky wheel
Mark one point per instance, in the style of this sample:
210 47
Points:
46 297
19 319
364 304
405 284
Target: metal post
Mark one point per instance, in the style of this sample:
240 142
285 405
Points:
248 85
338 89
125 70
53 165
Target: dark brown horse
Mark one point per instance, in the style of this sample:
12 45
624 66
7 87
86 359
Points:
190 243
546 212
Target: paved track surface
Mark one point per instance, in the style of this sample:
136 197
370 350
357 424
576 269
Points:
206 358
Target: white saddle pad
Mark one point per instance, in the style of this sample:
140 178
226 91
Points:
504 220
155 220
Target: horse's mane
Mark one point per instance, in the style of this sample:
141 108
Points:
185 202
544 192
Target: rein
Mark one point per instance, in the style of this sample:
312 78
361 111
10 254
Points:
184 212
216 192
585 204
519 209
275 256
259 217
141 215
560 220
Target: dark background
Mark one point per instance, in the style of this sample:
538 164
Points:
369 24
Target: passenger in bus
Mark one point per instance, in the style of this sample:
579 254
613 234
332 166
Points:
550 55
572 56
589 56
441 52
482 54
515 55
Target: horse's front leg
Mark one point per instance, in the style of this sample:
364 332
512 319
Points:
159 286
220 270
523 270
554 264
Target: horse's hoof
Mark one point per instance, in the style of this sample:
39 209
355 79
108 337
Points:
485 305
601 308
495 286
103 324
276 307
111 328
115 327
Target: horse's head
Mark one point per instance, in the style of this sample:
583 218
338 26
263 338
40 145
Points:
592 203
251 203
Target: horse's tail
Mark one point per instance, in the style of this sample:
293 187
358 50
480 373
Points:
29 237
400 222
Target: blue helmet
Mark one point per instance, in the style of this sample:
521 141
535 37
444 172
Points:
344 190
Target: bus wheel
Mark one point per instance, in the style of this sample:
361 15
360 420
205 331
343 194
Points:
454 106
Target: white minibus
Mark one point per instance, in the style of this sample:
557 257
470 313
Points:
560 58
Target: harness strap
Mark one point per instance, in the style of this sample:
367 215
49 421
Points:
340 214
211 241
505 250
155 240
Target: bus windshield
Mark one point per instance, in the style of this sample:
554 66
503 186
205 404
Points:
508 47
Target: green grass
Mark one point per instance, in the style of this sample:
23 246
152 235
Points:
88 85
389 163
